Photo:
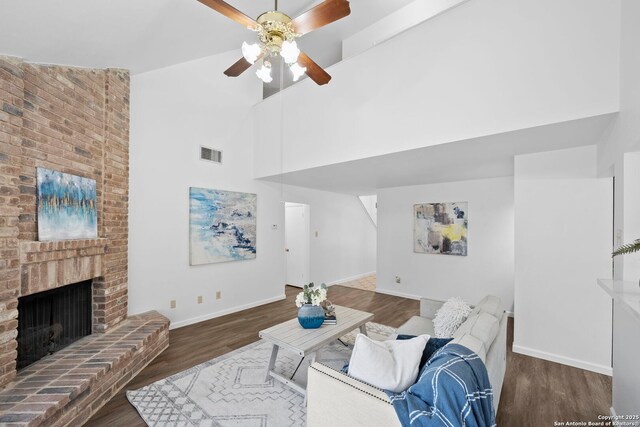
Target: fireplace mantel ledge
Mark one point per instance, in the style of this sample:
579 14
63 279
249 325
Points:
27 247
48 265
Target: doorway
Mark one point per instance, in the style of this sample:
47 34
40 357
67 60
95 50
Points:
296 236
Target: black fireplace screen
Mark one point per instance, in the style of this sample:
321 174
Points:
51 320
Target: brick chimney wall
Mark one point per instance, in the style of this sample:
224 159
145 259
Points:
76 121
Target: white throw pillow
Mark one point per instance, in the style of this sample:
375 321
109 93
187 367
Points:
450 316
389 365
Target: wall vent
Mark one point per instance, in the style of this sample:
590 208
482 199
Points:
210 154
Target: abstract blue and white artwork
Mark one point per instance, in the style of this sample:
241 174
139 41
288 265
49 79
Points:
66 206
222 226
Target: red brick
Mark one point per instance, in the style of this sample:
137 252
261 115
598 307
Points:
75 121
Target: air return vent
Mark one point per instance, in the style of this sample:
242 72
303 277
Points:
210 154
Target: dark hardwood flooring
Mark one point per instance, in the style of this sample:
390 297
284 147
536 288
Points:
535 392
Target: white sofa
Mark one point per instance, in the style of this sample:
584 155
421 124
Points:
336 400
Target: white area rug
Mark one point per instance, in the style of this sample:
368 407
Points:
231 390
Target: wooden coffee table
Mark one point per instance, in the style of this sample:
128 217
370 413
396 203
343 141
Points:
307 342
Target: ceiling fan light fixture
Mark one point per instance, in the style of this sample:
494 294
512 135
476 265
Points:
297 71
251 52
289 51
264 72
276 32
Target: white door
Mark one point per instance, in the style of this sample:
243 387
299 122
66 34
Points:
297 243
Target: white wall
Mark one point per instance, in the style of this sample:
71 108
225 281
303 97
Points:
631 212
625 135
485 67
626 334
488 268
563 233
370 204
345 245
618 156
173 111
394 23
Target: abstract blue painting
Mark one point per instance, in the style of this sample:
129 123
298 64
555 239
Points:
66 206
222 226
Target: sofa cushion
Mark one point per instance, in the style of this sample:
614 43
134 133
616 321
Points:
490 304
482 326
389 365
450 316
417 326
434 344
472 343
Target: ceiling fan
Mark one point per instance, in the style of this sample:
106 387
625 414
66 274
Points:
276 36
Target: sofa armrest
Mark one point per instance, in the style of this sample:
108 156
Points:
428 307
337 400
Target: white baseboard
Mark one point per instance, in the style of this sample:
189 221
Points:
349 279
187 322
594 367
398 294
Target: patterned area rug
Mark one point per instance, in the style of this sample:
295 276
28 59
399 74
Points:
231 390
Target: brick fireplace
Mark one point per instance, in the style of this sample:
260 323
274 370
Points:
75 121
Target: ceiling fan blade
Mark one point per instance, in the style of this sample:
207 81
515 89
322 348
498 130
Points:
321 15
314 71
239 67
230 12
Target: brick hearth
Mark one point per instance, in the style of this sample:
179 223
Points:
76 121
76 381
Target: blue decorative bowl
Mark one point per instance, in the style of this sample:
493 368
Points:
310 316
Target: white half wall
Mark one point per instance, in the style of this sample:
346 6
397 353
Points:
563 235
482 68
488 267
343 238
174 110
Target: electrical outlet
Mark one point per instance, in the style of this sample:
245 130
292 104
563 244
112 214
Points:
199 299
397 279
218 295
172 303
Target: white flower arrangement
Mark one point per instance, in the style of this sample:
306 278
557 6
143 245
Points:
311 295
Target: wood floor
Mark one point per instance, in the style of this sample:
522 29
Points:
366 283
535 392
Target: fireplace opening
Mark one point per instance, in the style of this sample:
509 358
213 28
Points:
51 320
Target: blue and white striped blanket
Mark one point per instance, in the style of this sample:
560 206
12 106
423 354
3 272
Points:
452 390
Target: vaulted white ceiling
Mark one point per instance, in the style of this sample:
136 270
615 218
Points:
143 35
